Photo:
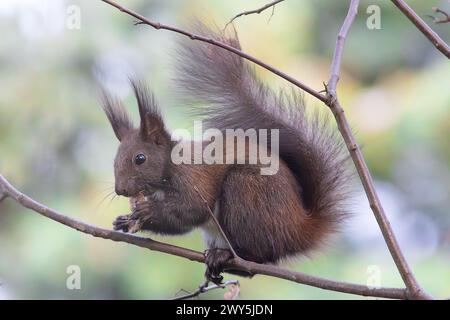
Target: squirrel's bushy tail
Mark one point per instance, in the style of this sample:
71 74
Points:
224 89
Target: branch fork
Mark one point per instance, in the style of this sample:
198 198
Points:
445 16
256 11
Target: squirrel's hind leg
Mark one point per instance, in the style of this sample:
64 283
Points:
216 260
262 215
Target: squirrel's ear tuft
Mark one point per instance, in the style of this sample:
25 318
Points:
117 115
152 125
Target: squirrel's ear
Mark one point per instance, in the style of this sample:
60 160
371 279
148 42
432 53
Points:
152 129
152 125
117 115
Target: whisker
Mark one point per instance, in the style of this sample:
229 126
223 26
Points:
113 198
104 198
111 188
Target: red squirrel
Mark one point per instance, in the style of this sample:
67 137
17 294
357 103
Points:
266 218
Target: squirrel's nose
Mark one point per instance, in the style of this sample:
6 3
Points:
121 192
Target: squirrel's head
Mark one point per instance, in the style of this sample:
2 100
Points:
143 152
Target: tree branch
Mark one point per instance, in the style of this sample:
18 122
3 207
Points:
159 26
339 49
423 27
241 264
256 11
411 283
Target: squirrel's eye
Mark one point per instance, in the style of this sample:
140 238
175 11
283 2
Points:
140 159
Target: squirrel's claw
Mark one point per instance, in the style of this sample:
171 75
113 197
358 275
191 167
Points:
127 223
215 260
133 222
122 223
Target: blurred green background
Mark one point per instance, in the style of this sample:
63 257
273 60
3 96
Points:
56 144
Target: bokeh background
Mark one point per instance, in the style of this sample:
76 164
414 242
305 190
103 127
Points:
56 144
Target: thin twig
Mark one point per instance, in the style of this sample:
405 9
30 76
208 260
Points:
205 288
339 48
241 264
3 197
216 222
405 271
437 20
3 194
160 26
255 11
271 15
423 27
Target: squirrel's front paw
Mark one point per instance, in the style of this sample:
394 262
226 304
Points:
127 223
141 211
133 222
122 223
